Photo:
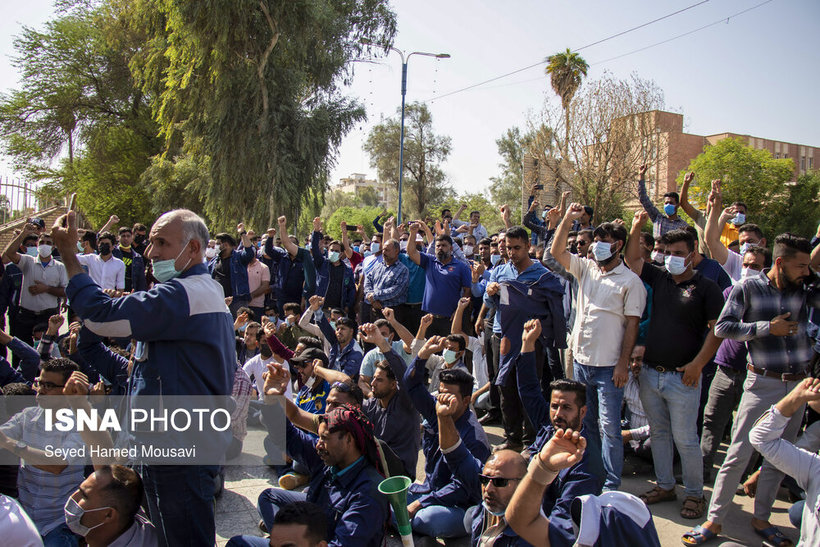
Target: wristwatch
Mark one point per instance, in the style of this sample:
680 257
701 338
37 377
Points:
19 446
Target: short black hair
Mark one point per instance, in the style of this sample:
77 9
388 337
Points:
124 230
517 232
673 236
348 322
672 195
648 240
109 236
310 342
761 251
753 228
616 231
351 388
225 238
445 237
245 309
741 204
32 237
385 323
124 490
60 365
485 241
458 340
307 514
294 307
574 386
139 227
91 238
474 212
385 366
586 232
457 377
788 245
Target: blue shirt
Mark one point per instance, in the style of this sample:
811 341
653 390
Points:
445 284
507 272
415 289
711 269
387 284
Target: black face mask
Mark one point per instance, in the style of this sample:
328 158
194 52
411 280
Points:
105 248
573 248
139 238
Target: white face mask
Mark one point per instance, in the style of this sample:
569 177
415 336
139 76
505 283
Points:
74 514
657 257
44 250
374 247
403 244
210 252
676 265
746 273
333 256
468 250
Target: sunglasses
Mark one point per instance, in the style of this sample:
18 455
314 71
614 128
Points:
344 387
498 482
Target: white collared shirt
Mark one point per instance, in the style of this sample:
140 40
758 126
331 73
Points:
52 273
108 274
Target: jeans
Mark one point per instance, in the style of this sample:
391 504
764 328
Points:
796 513
670 408
60 537
438 520
181 502
248 541
724 396
604 402
272 499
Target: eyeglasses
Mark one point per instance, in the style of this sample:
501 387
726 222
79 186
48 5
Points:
498 482
46 385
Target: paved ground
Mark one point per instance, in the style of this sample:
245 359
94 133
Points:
236 508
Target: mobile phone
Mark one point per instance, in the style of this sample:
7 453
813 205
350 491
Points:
539 187
72 202
351 228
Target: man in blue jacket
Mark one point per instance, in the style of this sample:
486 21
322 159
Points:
230 267
295 273
185 340
334 278
437 505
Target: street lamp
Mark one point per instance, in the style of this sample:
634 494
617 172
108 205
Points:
404 61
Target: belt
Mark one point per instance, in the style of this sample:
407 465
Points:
785 377
730 370
448 317
664 369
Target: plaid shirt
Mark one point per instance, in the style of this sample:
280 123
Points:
241 393
660 222
746 316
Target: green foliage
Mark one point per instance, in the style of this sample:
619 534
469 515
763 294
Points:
424 183
353 216
798 212
566 70
749 175
507 186
254 87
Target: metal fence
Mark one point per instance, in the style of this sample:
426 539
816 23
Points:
17 198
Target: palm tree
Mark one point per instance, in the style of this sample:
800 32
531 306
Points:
566 70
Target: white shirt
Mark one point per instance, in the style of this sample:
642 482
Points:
16 527
480 374
108 274
604 301
733 264
255 367
140 534
801 464
51 273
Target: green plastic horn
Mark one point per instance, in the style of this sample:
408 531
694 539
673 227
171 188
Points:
395 488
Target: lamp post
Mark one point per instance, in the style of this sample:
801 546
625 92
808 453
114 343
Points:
404 61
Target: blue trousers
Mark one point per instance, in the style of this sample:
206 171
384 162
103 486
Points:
60 537
181 502
272 499
438 520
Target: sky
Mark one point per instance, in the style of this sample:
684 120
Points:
754 73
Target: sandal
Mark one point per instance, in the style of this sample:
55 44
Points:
774 536
657 495
698 536
693 508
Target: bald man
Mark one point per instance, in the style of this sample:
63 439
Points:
499 478
186 347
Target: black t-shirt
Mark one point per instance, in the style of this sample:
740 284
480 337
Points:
680 315
333 297
222 274
128 259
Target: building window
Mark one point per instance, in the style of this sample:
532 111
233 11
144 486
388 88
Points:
811 163
803 163
777 155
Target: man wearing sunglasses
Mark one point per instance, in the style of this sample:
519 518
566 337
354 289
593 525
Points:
498 479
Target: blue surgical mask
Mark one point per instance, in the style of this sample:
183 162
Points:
675 265
669 209
332 324
449 356
31 251
165 270
272 319
490 511
495 259
80 246
374 247
74 514
544 213
367 253
356 248
333 256
739 219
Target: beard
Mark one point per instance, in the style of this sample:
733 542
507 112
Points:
560 423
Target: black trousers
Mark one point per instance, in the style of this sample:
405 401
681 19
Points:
24 324
517 426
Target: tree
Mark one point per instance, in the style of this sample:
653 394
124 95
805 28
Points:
424 181
506 187
613 124
353 216
77 123
252 90
754 177
566 71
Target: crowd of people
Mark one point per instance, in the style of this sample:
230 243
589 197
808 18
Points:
388 356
